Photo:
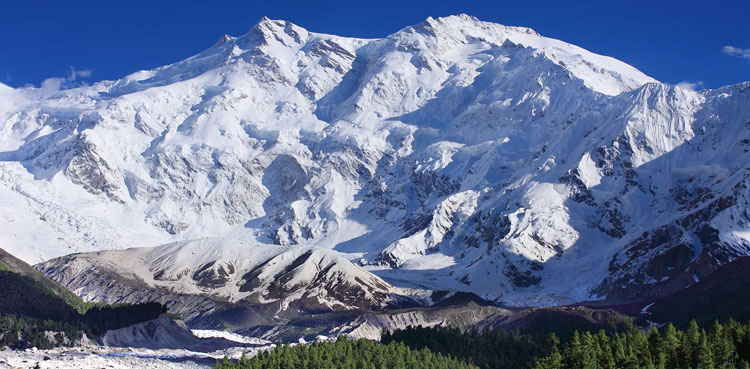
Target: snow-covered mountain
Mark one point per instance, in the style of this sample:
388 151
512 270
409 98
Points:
454 154
266 282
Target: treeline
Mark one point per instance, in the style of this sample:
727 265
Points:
101 318
346 354
718 347
33 315
721 347
23 332
487 350
20 331
23 295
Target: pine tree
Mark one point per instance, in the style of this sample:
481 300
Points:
705 357
721 347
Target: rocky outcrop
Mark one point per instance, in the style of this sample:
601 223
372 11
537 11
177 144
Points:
163 333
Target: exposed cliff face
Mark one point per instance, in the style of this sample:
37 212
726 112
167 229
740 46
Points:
452 155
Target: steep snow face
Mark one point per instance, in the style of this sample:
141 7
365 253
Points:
454 154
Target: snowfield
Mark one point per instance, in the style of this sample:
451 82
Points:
285 170
207 333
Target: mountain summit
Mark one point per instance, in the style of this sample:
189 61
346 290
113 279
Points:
453 155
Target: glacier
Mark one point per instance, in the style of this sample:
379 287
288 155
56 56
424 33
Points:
452 155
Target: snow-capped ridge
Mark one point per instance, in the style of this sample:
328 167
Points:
452 155
459 22
223 40
284 32
601 73
287 280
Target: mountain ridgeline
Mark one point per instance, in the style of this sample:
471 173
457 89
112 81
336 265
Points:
283 173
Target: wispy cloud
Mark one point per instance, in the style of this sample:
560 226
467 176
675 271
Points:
692 86
736 51
70 81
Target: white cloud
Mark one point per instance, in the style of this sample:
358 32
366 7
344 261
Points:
83 73
736 51
57 83
691 86
53 84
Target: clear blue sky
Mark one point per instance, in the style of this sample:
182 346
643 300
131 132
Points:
672 41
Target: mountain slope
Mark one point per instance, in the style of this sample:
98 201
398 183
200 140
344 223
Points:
453 155
267 284
726 289
37 287
35 311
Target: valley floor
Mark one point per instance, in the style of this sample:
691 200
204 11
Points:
109 357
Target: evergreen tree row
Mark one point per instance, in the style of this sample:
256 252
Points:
488 350
23 332
32 314
22 295
721 347
20 331
345 353
101 318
